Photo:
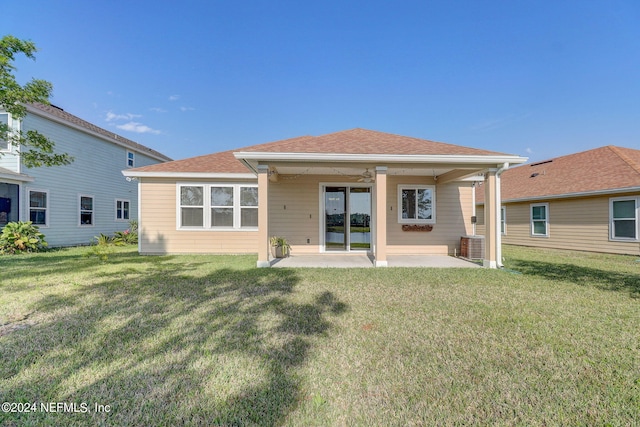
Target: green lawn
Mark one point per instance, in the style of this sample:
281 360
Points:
205 340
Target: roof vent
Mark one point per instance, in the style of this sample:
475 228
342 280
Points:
541 163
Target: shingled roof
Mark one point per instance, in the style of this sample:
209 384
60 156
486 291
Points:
354 141
59 113
598 170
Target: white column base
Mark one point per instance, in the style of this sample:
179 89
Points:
264 264
489 264
380 264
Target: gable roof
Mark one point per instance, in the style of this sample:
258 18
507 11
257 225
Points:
59 115
354 141
599 170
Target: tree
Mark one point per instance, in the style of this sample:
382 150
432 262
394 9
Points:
35 149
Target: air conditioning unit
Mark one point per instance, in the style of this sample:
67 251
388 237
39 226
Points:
472 247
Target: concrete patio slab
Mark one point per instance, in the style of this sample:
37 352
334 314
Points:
364 261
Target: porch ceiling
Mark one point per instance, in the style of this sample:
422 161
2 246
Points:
357 170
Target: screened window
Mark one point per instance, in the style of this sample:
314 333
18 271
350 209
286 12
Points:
624 218
86 210
122 210
192 206
38 205
540 219
229 206
417 204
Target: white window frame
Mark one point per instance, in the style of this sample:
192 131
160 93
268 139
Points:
207 206
46 208
93 210
503 220
416 187
637 219
132 159
546 220
123 201
10 124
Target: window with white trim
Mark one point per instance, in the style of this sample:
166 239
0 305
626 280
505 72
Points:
4 125
38 207
229 206
122 210
86 208
623 218
416 204
192 206
131 159
503 220
540 219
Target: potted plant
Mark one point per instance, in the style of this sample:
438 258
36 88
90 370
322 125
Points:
280 248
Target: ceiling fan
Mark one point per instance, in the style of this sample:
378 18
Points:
366 176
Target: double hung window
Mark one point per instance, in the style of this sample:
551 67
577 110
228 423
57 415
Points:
540 219
623 214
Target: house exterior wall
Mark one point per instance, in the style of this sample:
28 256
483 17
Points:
96 171
295 214
576 224
159 233
454 208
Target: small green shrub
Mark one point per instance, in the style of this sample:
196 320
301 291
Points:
19 237
125 238
103 240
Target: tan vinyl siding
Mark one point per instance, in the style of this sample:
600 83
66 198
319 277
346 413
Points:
301 219
576 224
159 234
294 213
453 219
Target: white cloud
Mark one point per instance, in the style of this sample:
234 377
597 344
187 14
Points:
138 128
174 97
187 108
529 150
158 110
111 116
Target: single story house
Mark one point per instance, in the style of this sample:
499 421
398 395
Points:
347 192
73 203
588 201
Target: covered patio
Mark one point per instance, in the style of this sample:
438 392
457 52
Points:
367 261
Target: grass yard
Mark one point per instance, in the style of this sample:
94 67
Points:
210 340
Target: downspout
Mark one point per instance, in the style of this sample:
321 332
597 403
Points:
498 231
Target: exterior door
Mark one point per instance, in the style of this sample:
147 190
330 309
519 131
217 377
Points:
347 218
335 207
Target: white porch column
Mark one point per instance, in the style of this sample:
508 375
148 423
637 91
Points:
381 217
491 219
263 216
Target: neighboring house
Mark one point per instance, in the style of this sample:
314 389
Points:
588 201
71 204
351 191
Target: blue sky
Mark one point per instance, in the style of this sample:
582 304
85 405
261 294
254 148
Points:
534 78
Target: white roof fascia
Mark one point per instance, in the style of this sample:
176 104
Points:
570 195
212 175
382 158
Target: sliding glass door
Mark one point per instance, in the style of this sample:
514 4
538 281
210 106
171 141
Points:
347 218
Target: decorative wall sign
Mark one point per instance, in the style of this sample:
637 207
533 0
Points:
417 227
